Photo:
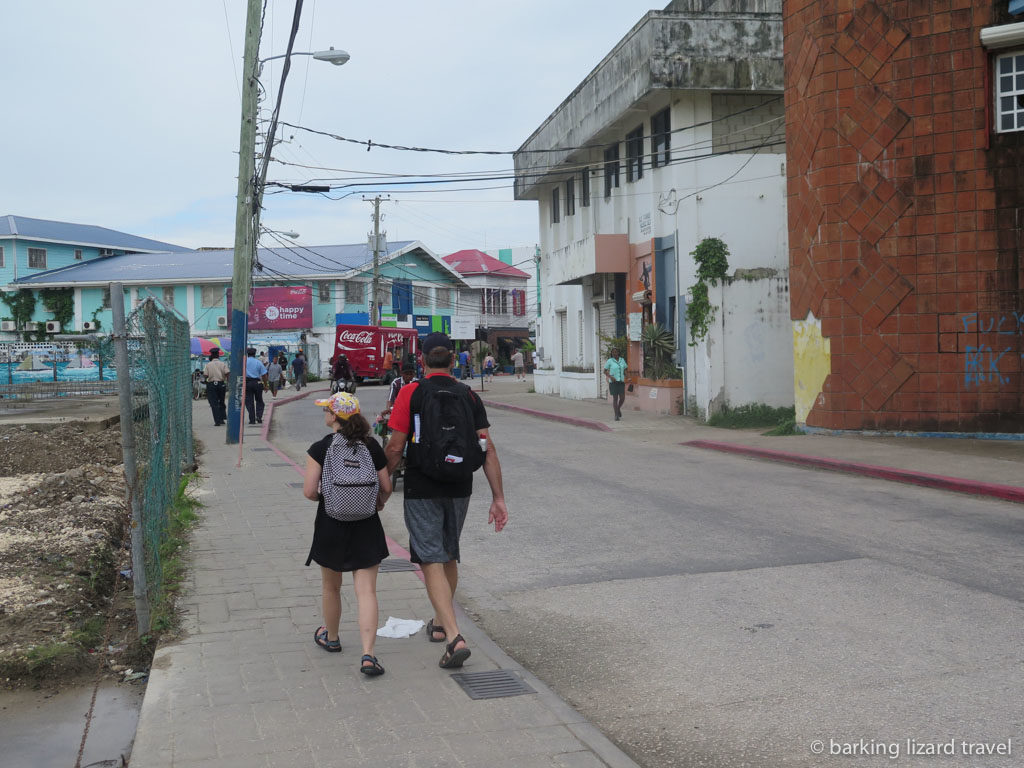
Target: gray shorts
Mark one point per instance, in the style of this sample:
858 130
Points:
435 526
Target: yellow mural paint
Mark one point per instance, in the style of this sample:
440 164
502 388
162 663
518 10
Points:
812 363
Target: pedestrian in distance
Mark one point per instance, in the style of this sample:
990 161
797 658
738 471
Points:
255 381
299 370
489 368
443 425
464 364
216 372
282 360
615 373
517 363
275 374
347 475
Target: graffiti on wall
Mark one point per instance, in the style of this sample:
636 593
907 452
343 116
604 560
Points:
982 362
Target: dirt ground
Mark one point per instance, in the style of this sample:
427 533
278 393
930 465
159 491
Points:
65 607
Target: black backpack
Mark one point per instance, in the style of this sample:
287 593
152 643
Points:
349 482
446 447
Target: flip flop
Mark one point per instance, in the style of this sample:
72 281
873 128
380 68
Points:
452 658
320 638
432 628
374 669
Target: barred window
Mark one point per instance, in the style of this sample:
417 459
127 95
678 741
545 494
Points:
585 188
611 170
556 216
78 254
635 154
661 138
106 298
211 296
420 296
570 197
355 292
37 258
1010 92
324 292
169 296
444 298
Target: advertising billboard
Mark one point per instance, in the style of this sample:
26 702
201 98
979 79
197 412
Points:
276 307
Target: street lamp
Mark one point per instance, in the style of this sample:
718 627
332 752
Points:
250 194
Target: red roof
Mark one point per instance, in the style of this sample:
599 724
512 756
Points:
473 262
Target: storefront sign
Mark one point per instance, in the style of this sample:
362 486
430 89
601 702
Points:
276 307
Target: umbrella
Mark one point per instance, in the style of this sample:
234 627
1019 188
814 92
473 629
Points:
201 346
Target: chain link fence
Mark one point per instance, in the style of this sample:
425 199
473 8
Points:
159 418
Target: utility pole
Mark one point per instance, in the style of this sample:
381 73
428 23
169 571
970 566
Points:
241 282
375 290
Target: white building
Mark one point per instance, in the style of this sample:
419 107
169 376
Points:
677 135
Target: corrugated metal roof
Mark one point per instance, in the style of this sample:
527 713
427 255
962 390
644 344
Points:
212 265
474 262
79 234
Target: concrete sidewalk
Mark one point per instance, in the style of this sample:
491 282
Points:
992 468
246 685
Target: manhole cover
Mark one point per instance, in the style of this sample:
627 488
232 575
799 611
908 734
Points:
393 564
492 684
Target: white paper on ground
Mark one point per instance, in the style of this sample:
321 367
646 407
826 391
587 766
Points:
400 627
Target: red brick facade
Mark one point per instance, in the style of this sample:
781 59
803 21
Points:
905 209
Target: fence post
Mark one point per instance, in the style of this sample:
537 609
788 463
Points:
124 387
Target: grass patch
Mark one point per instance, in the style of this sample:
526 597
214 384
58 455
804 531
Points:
181 517
785 427
752 416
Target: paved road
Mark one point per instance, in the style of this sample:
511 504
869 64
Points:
708 610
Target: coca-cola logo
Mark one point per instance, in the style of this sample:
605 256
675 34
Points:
361 337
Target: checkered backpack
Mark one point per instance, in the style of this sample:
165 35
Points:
349 481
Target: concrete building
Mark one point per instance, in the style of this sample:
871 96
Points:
905 128
336 279
677 135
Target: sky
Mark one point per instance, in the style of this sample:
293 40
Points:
126 114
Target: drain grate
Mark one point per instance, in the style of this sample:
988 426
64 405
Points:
395 564
262 449
492 684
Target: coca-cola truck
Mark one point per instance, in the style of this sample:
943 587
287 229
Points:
365 347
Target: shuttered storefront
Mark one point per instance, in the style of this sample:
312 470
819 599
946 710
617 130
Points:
606 326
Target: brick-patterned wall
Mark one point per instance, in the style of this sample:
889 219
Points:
904 215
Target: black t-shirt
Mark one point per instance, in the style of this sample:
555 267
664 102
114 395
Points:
318 451
421 486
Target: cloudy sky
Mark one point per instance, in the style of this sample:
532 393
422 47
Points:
125 114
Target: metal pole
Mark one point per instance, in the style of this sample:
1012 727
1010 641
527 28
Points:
241 283
374 312
131 474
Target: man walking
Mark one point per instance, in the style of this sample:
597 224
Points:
299 370
255 379
442 420
517 362
217 372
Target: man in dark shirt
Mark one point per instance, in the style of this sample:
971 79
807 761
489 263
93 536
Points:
299 370
434 510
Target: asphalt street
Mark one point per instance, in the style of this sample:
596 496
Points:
708 610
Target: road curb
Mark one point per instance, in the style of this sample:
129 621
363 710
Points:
942 482
578 422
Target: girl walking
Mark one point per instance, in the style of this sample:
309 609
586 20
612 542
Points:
346 473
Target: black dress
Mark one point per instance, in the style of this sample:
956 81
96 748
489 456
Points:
347 546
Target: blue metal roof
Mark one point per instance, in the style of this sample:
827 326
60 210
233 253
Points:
79 234
1016 7
321 261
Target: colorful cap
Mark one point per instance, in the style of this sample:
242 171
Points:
342 404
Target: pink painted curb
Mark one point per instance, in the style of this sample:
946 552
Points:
942 482
587 423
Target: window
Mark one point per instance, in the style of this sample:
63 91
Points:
78 254
585 188
444 298
420 296
611 170
661 138
579 334
106 298
555 214
494 301
106 251
570 197
635 154
1010 92
211 296
324 292
355 292
2 262
169 296
37 258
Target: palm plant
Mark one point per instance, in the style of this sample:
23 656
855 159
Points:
659 346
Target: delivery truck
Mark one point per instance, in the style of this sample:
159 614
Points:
366 347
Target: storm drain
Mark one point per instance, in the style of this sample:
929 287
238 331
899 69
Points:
395 564
492 684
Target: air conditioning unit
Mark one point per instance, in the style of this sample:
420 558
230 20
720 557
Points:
52 326
8 325
88 325
30 327
222 321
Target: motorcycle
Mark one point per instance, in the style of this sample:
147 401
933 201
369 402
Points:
343 385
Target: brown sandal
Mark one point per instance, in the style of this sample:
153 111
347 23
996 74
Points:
452 658
432 628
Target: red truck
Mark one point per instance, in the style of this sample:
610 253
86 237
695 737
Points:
365 347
